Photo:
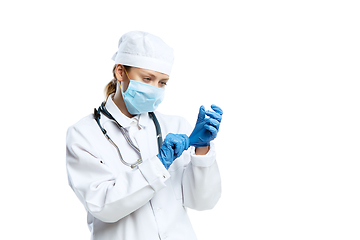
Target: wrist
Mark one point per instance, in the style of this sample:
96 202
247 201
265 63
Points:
202 150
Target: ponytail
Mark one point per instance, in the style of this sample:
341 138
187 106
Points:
111 86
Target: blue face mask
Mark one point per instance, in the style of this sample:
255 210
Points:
141 97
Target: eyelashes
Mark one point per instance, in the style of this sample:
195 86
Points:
148 80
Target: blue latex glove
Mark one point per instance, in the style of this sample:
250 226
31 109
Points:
206 129
172 148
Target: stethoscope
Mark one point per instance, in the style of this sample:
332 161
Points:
102 109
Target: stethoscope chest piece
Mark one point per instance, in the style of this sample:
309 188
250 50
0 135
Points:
138 162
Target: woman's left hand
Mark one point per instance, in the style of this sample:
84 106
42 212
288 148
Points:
206 129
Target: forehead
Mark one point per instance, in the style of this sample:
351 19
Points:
149 72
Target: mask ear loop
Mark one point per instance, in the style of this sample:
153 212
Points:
120 85
126 73
127 77
120 82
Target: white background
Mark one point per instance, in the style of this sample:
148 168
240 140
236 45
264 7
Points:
286 74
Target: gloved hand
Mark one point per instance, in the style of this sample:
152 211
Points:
206 129
172 148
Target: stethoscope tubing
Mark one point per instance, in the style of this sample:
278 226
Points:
97 116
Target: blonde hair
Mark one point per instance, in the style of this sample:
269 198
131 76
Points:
111 86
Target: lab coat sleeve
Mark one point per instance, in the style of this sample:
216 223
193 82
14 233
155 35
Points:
107 196
201 181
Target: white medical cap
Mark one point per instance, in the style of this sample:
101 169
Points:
144 50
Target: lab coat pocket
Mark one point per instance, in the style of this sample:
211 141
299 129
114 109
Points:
176 170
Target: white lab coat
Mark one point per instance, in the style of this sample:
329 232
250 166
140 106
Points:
145 203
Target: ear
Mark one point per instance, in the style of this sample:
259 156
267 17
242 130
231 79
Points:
119 72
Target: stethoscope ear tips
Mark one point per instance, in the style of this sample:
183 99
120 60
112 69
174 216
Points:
97 116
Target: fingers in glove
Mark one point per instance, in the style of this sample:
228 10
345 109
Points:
182 143
211 129
186 140
178 148
201 115
214 115
166 154
217 109
213 122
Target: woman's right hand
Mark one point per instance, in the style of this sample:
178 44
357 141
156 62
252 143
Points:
172 148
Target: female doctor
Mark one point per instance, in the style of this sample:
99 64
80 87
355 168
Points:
132 185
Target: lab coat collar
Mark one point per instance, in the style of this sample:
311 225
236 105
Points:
143 118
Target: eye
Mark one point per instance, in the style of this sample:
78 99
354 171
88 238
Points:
147 79
163 84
